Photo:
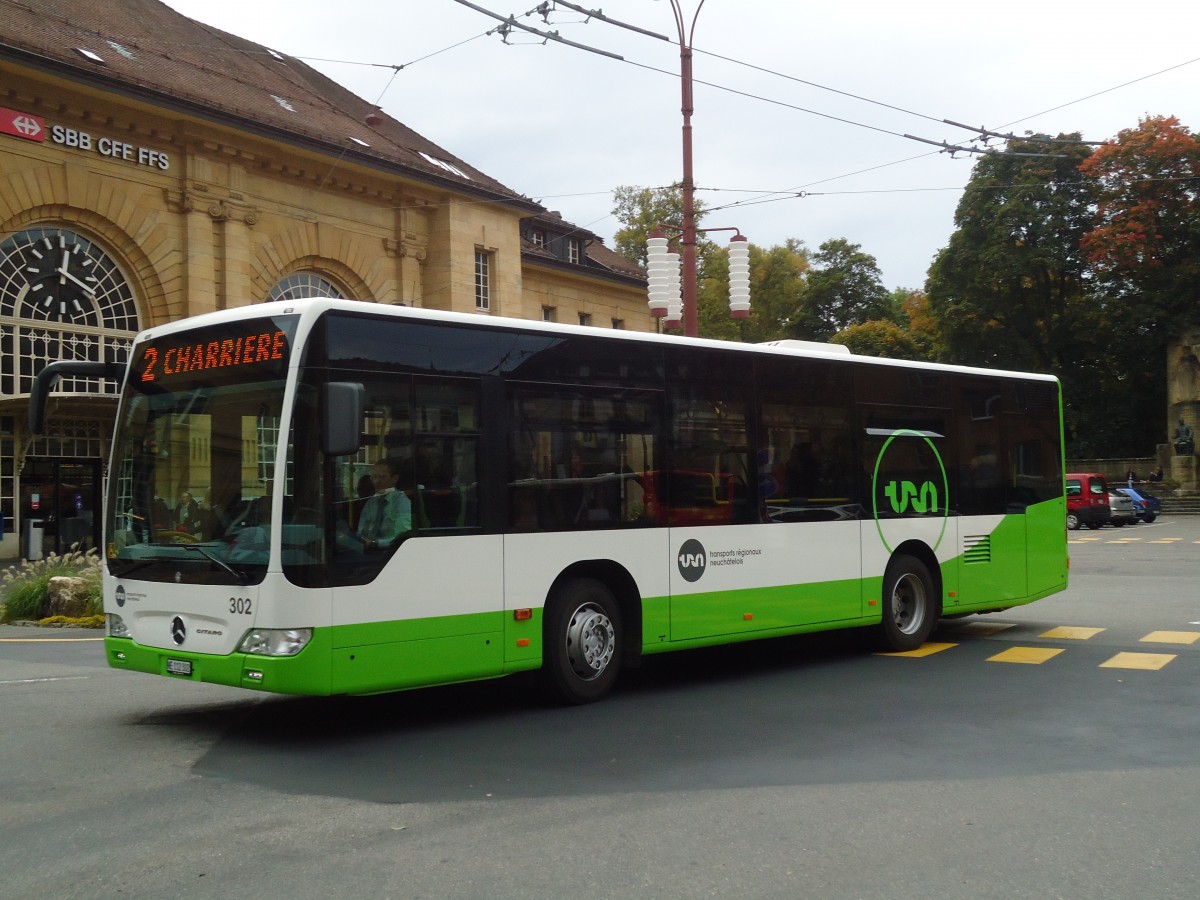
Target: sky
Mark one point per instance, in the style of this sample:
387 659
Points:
800 108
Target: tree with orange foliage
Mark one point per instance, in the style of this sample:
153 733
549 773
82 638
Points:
1145 245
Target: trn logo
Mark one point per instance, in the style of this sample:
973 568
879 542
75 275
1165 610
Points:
895 502
692 560
903 493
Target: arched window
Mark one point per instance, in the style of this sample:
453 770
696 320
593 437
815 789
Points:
300 285
62 297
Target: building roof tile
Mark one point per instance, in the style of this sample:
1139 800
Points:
145 48
150 49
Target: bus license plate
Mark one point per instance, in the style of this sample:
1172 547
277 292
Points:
179 666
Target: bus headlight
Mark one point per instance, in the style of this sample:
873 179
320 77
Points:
116 626
275 641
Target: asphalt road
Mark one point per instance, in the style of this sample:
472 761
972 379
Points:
1013 760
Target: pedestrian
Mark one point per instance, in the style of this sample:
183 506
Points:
187 515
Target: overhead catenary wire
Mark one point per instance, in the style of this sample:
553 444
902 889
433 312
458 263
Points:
1116 87
802 191
512 22
943 146
551 35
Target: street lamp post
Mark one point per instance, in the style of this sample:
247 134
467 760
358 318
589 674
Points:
739 299
661 265
688 238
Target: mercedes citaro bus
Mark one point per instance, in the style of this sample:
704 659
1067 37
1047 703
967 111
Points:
577 498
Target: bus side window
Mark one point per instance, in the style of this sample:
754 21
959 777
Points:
446 453
710 468
577 457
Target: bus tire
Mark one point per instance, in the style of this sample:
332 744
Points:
581 653
910 606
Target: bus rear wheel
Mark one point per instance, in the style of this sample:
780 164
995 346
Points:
582 642
910 607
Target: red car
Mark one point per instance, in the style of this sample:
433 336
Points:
1087 500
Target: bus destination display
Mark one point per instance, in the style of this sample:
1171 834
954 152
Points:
252 350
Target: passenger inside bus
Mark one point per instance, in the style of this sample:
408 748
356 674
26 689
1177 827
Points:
803 470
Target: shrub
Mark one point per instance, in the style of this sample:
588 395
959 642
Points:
80 622
25 588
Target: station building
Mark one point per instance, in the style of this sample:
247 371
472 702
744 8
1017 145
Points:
153 167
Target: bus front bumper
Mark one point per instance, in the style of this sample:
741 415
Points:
280 675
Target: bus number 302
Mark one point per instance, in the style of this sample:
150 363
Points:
239 606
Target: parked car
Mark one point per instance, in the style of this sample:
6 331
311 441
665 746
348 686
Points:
1087 500
1121 510
1146 507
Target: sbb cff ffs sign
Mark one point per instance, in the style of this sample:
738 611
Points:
22 125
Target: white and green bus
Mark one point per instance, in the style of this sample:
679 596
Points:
577 498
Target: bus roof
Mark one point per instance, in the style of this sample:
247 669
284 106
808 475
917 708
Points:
309 309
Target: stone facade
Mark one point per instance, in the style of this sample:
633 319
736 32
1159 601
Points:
1183 405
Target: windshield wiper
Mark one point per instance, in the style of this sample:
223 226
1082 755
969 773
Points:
240 576
134 565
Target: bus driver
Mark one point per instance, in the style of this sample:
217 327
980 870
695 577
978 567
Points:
388 512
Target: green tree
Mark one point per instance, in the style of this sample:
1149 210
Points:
1008 290
879 338
777 289
641 210
1013 289
845 288
922 325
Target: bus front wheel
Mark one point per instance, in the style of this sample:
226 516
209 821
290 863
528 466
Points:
582 642
910 607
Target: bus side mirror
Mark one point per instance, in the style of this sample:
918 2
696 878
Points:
341 417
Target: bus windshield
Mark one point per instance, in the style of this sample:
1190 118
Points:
194 454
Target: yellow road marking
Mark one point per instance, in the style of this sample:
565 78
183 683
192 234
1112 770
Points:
1168 541
1172 637
1028 655
924 650
1070 633
1148 661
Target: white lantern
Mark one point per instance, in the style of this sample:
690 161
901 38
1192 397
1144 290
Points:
674 293
739 277
658 274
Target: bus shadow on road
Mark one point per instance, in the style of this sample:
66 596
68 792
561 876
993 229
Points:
802 710
501 738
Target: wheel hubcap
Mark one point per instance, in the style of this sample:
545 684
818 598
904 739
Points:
908 604
591 641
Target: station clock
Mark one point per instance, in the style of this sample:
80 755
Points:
57 275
